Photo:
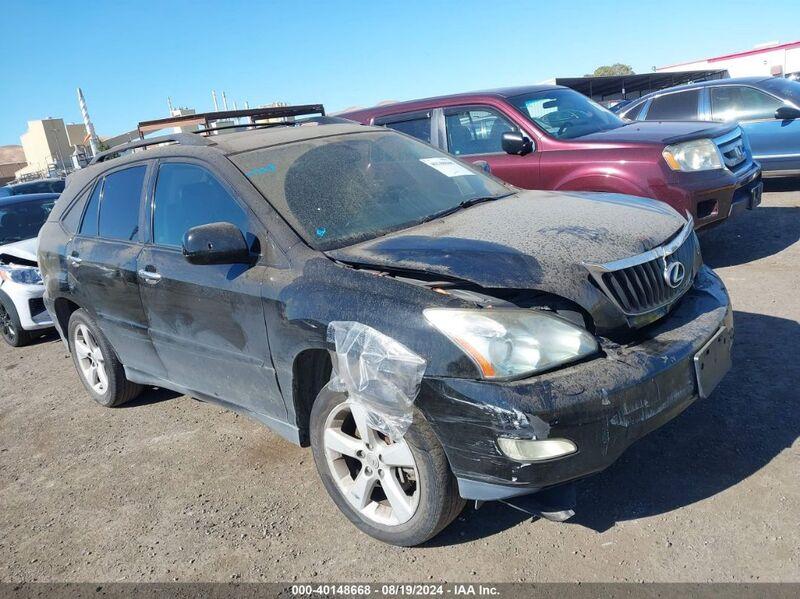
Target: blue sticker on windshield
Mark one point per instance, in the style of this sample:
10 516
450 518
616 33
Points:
321 231
261 170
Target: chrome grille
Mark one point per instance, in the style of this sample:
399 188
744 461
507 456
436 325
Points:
733 150
641 284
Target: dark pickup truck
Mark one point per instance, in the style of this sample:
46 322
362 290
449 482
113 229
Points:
552 137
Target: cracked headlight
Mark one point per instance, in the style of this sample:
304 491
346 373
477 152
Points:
26 275
507 343
691 156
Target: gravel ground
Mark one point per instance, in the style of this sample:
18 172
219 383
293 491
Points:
169 488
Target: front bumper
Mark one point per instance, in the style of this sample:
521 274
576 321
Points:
29 304
602 405
713 196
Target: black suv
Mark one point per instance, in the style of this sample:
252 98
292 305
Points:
432 333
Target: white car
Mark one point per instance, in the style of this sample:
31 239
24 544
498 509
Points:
22 312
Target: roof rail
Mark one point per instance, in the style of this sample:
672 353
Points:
205 118
186 139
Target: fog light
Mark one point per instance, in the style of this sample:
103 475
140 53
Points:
533 450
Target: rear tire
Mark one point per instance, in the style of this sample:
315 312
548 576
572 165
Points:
10 328
431 490
97 364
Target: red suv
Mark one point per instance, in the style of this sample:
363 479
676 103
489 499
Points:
552 137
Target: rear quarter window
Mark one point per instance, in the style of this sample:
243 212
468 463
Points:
72 217
119 206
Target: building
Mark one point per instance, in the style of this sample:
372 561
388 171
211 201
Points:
766 60
47 148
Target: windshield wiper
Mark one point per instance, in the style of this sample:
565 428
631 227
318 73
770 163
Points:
466 204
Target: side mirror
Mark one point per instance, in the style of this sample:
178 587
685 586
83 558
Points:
216 243
787 113
515 142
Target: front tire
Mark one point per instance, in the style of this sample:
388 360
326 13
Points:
10 328
99 369
402 493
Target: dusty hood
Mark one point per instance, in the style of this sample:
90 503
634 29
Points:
532 240
23 250
659 132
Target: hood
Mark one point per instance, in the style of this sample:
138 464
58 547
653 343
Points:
659 132
22 250
536 240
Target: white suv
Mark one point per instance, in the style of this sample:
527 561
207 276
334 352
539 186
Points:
22 311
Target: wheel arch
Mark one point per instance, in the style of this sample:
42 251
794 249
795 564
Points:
311 371
64 308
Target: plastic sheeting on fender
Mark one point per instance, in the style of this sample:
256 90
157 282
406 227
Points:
378 373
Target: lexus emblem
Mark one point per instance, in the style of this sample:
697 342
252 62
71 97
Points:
674 274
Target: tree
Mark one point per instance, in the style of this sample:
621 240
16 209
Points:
609 71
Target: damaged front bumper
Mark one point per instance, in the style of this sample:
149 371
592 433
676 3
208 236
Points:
602 405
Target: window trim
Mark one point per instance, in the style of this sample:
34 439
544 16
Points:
446 110
150 201
699 109
710 113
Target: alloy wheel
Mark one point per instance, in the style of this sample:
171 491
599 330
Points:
7 325
376 475
90 359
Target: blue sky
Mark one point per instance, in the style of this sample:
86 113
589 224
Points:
129 56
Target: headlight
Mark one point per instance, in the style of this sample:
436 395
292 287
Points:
697 155
26 275
507 343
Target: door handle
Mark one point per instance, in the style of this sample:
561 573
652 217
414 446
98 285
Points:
149 276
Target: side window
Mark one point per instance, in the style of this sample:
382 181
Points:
119 206
475 131
417 125
89 226
735 102
186 196
634 112
72 219
681 106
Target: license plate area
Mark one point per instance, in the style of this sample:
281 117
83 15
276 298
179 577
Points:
713 361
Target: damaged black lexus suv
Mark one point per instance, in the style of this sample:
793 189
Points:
434 335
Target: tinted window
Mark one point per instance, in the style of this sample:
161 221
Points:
119 206
347 188
89 226
22 220
565 113
71 220
475 131
633 113
739 103
187 196
417 127
681 106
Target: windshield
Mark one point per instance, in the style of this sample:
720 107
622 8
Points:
23 220
785 88
565 113
340 190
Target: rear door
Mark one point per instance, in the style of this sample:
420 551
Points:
206 321
474 134
774 142
101 262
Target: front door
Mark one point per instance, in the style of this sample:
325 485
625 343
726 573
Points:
206 321
774 142
102 261
474 134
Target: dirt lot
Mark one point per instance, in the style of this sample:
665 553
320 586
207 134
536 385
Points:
173 489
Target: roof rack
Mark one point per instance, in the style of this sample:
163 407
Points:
206 118
186 139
